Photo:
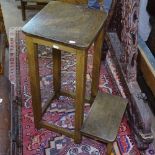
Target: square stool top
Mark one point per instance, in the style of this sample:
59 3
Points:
65 23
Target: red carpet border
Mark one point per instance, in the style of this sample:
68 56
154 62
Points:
39 142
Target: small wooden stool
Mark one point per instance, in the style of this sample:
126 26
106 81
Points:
69 28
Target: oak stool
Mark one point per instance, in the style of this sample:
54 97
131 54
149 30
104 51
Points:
71 28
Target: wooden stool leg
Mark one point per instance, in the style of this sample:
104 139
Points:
96 65
81 61
56 71
34 80
109 148
23 4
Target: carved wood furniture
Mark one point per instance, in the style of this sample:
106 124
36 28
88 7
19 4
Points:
138 111
73 29
124 43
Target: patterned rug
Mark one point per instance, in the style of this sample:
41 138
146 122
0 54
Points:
61 111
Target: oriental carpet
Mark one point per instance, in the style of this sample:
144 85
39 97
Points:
61 111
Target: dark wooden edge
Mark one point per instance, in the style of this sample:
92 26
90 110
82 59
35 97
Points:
148 54
146 62
96 138
137 106
65 44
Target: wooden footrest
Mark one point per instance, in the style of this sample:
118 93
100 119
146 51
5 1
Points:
104 117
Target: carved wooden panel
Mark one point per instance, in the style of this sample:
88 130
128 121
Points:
115 23
125 23
129 37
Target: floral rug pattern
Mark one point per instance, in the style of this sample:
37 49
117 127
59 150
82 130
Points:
61 111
